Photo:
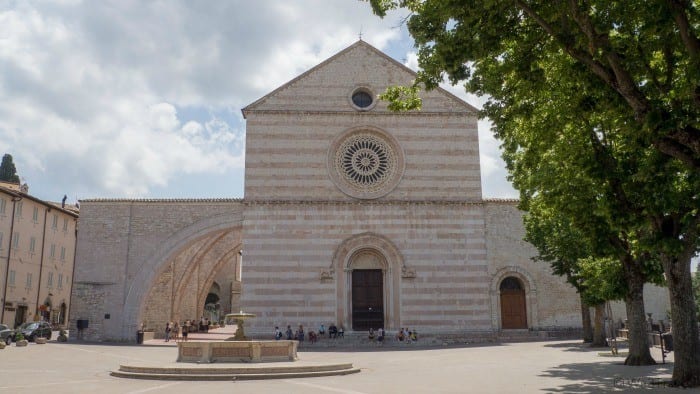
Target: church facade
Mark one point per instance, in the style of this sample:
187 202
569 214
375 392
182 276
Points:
352 215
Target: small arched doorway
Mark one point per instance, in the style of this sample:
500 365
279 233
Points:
367 290
513 306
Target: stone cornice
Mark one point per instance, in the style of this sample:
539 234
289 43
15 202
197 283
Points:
362 202
365 113
249 202
162 200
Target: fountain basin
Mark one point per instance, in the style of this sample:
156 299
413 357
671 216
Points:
236 351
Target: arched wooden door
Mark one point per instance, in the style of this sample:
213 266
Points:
513 309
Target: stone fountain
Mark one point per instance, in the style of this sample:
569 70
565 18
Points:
238 348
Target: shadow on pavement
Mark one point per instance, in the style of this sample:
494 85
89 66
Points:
581 347
609 376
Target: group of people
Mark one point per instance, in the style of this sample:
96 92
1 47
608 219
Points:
299 334
403 335
406 335
177 332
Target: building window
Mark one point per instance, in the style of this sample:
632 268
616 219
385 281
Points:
32 244
54 222
35 214
15 241
60 281
29 281
50 280
2 206
0 240
65 224
53 251
18 209
11 278
63 253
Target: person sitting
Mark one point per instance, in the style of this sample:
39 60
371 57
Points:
380 335
400 336
313 337
414 336
322 330
332 331
341 332
371 335
300 333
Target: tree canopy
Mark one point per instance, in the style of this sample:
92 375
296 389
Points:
8 172
597 106
645 53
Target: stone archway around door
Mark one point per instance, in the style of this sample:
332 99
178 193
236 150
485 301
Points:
529 289
368 251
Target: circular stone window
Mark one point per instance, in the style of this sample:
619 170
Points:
362 99
365 163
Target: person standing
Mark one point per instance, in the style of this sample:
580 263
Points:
185 330
168 329
278 333
289 333
177 331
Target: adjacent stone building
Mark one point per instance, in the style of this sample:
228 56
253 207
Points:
37 245
352 215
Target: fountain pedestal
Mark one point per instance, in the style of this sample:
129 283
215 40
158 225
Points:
239 318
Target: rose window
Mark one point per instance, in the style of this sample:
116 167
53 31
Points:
365 164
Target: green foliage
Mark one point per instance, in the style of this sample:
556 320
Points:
643 58
8 172
19 336
402 98
603 279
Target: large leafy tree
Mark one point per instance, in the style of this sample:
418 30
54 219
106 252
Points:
587 262
610 91
8 172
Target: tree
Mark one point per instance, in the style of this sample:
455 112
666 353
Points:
646 53
8 172
583 247
696 289
611 92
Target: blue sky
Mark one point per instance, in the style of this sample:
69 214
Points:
142 99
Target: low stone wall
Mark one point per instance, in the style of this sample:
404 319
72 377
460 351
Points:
237 351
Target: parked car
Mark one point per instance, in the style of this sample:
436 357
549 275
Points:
35 329
6 334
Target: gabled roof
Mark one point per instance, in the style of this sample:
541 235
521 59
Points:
359 44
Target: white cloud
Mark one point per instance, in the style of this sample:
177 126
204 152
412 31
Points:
117 98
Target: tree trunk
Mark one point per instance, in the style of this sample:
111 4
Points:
586 320
598 329
638 339
686 346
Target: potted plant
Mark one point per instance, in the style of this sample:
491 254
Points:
40 340
62 335
20 341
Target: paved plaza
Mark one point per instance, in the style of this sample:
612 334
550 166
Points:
530 367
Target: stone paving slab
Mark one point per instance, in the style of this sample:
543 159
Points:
530 367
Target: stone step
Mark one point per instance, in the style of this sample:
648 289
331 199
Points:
214 369
234 373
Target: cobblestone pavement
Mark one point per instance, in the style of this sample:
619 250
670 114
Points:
550 367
